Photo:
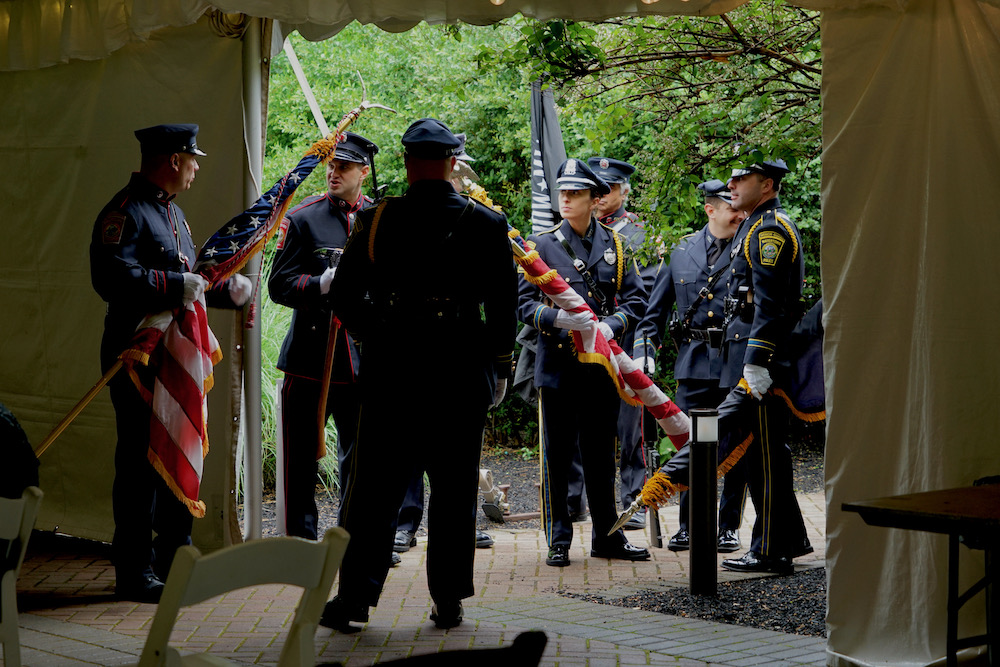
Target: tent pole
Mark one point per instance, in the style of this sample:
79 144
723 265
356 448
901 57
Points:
253 131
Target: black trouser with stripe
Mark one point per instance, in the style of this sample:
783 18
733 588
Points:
779 529
583 414
300 434
707 394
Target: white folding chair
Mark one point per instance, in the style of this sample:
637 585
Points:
17 518
194 578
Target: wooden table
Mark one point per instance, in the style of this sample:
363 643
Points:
968 514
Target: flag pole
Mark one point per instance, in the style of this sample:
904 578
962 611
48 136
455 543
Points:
78 408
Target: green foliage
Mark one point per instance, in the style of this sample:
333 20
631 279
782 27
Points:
672 95
676 96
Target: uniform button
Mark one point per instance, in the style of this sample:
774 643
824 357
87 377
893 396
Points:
737 336
590 294
559 346
710 296
682 281
440 314
711 314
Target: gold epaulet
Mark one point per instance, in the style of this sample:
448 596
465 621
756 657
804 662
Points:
687 236
549 230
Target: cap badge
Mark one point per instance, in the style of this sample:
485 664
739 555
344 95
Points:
570 168
604 163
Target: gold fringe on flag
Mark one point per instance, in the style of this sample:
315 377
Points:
658 489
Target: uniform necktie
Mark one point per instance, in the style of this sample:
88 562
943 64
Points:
715 251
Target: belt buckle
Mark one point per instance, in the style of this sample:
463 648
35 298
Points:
579 264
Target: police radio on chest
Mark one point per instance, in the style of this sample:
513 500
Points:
744 303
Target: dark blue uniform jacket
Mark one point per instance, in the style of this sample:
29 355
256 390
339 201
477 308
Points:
678 282
766 255
319 224
431 290
616 275
140 246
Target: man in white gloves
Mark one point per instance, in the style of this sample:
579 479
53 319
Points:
141 255
310 241
694 280
762 307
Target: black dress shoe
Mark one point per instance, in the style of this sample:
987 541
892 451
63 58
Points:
338 614
806 549
558 556
637 521
729 541
403 541
144 588
483 540
681 541
447 614
396 559
752 562
624 551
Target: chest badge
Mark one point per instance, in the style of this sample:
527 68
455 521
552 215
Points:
610 256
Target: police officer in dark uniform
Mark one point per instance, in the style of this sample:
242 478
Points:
578 402
763 305
141 256
411 512
312 239
427 284
695 281
611 212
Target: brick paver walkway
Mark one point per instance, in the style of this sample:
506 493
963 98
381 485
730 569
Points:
70 617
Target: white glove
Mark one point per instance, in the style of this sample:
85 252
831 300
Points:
566 319
194 287
326 280
647 365
240 289
605 328
758 378
500 392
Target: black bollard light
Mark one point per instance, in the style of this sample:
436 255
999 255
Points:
702 492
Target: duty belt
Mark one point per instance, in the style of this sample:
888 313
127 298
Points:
712 335
433 308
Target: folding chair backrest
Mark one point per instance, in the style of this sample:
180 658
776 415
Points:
17 518
293 561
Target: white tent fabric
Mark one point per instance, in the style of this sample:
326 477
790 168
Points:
66 147
912 136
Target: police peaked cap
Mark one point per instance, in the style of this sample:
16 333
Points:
355 148
716 188
430 139
611 170
576 175
169 139
460 151
775 168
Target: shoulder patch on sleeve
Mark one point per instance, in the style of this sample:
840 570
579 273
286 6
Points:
770 243
112 227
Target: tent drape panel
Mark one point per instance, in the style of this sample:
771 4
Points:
66 146
911 121
41 33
